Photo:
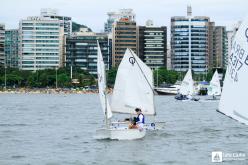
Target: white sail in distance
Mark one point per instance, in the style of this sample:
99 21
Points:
187 86
214 88
233 102
101 73
133 86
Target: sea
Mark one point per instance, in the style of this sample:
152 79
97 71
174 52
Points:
59 129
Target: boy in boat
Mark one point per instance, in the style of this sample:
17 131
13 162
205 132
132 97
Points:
139 121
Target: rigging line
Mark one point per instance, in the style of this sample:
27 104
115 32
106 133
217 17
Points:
143 73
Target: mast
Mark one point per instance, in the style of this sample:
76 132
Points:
157 77
106 116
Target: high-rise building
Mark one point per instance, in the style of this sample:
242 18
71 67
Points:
66 22
230 37
41 42
153 45
217 58
189 38
116 16
211 49
168 65
11 48
81 50
124 36
2 38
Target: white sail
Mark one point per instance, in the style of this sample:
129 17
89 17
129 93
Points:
102 84
214 88
187 86
133 86
233 102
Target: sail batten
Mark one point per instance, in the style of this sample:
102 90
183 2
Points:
133 86
102 84
233 102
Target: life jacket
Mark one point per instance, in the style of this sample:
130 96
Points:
143 119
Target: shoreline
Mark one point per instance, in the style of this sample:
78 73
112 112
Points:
49 91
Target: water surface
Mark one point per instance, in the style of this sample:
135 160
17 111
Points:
55 129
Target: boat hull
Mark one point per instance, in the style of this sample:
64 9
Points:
120 133
127 134
166 92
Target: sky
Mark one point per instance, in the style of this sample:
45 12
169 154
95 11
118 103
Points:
93 13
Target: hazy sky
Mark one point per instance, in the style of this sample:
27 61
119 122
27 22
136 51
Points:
93 12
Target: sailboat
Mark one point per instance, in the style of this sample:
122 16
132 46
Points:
133 89
214 88
187 88
233 102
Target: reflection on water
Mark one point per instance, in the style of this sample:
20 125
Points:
53 129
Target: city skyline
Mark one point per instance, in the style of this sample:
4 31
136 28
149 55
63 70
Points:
94 13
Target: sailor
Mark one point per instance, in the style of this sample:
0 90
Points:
140 120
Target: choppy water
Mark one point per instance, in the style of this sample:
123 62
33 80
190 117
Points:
50 129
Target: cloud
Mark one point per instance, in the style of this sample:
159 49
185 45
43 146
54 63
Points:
93 12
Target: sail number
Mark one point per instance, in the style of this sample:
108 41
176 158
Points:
237 59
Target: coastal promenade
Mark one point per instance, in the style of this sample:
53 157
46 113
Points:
51 91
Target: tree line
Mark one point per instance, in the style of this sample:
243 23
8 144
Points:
47 78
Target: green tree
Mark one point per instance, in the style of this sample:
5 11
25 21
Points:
63 80
111 75
162 75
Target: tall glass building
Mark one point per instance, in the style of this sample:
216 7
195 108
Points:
41 43
153 45
220 51
2 38
124 36
11 48
190 36
81 50
66 21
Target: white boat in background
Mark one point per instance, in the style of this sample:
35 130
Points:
170 90
214 88
233 102
133 89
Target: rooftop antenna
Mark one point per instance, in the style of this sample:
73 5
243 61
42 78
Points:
189 11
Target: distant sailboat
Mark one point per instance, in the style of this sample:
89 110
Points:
214 88
186 91
133 88
233 102
187 86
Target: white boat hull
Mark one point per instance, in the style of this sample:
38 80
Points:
157 125
167 91
127 134
120 133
